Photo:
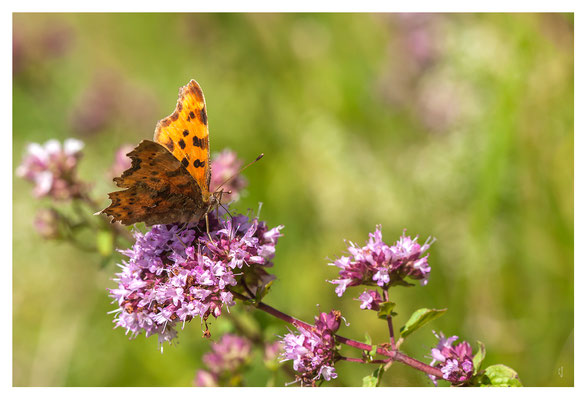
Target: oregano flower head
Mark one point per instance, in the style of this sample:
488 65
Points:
379 264
175 274
313 350
455 361
52 168
228 354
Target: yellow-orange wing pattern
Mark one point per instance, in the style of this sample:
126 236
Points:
185 134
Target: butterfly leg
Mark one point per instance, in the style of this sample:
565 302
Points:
221 205
207 226
184 226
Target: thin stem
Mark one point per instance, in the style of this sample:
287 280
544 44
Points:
419 365
393 354
362 361
389 322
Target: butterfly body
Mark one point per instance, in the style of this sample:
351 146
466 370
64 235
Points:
169 179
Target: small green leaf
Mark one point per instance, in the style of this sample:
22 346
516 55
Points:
420 318
401 282
479 356
386 310
368 339
262 292
374 379
500 375
369 381
105 243
373 351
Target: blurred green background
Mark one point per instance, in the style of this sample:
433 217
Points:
454 126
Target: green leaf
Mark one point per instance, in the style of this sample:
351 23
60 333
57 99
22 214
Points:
373 351
420 318
105 243
368 339
374 379
401 282
386 310
479 356
500 375
262 292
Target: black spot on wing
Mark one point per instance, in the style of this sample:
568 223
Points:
198 142
203 116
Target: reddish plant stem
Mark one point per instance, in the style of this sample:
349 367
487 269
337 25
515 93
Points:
389 322
394 355
362 361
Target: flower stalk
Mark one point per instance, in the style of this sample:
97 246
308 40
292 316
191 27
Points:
389 322
393 355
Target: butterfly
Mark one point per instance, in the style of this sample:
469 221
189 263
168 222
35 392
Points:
169 178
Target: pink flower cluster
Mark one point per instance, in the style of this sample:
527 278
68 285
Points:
455 361
383 265
227 357
313 350
175 274
51 167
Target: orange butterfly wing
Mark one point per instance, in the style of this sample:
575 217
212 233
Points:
185 134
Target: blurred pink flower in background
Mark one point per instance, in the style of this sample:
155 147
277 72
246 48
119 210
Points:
33 49
121 161
223 166
111 101
52 168
47 223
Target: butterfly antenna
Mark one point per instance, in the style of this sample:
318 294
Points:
226 209
240 171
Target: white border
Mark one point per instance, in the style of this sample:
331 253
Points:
307 6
